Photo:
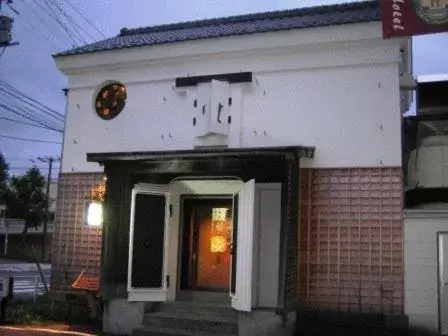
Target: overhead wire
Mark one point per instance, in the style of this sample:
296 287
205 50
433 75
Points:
79 29
21 100
73 32
21 122
68 2
27 99
31 26
3 51
25 115
49 11
29 139
26 168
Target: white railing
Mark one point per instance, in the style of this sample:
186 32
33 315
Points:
25 285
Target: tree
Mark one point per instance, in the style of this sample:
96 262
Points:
25 199
4 168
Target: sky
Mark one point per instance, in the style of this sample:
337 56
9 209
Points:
29 67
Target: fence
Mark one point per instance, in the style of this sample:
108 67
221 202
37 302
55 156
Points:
32 285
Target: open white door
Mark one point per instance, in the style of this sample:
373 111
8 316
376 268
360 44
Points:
148 239
242 242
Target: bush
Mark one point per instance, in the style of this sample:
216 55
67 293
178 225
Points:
43 311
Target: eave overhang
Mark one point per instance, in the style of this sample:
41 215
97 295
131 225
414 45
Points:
201 153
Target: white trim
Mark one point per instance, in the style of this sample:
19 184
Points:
425 213
370 31
259 62
179 188
432 78
147 295
242 300
157 294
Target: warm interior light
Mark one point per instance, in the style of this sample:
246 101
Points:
219 230
218 244
219 214
95 214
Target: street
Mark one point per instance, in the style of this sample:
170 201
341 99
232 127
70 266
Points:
27 280
45 331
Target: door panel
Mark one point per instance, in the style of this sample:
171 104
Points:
147 246
242 298
443 282
234 245
269 247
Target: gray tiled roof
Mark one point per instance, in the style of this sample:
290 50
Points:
356 12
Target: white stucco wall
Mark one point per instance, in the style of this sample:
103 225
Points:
335 88
421 273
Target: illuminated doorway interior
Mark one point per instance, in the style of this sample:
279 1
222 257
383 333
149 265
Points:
206 244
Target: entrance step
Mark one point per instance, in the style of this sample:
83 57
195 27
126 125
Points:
209 297
188 319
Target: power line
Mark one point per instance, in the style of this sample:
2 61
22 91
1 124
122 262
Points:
84 17
29 167
28 23
30 124
27 116
29 139
2 52
72 33
51 111
78 29
22 99
54 16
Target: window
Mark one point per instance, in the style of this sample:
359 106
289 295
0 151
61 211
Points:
110 100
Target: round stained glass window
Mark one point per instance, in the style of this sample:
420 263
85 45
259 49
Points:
110 101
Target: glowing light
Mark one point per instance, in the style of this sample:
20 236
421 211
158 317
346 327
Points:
95 214
218 244
219 214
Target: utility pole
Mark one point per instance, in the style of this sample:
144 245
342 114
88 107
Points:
6 26
50 160
5 227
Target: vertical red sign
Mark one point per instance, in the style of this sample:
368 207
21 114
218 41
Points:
414 17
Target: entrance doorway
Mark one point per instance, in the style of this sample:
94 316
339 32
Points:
206 244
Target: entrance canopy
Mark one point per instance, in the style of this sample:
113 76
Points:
264 165
200 153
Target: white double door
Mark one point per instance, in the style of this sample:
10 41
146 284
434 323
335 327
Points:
152 221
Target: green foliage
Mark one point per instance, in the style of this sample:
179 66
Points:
44 311
26 199
4 169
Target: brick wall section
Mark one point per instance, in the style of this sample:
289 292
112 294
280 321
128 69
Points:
76 246
351 239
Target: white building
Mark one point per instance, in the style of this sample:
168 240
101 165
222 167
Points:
290 121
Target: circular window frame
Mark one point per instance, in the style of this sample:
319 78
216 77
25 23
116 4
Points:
121 105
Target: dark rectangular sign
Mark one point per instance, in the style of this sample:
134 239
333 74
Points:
404 18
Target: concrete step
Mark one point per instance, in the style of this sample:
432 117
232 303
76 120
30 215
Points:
198 321
190 318
153 331
181 307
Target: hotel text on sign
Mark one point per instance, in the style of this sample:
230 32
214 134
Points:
414 17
